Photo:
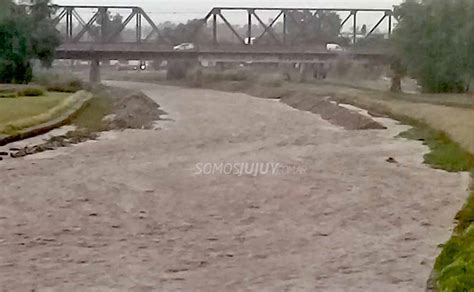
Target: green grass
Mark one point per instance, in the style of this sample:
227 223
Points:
444 153
454 267
31 91
12 109
17 124
91 117
18 90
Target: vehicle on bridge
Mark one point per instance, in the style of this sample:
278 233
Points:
185 47
333 47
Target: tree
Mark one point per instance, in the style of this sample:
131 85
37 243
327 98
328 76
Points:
7 8
434 42
108 27
191 32
44 37
318 28
399 71
25 36
14 52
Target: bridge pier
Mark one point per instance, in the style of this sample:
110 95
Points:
306 72
94 73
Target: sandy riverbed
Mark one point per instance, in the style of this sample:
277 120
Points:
134 213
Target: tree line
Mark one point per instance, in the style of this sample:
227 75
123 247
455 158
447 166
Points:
433 41
25 34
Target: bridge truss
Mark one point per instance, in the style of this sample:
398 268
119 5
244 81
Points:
286 16
76 29
96 27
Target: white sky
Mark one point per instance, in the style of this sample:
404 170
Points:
182 10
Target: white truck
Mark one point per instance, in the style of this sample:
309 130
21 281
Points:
333 47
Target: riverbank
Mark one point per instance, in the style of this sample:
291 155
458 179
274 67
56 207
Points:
105 109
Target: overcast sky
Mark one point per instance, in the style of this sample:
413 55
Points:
182 10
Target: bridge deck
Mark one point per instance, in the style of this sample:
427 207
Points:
237 54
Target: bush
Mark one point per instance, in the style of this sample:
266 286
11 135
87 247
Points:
7 93
72 86
237 75
10 91
272 80
59 83
355 70
31 91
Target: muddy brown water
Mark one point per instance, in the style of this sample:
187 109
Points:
134 213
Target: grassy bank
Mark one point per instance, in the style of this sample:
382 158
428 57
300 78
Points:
48 97
12 109
91 117
444 153
25 112
454 267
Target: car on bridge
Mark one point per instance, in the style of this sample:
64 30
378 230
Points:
184 47
333 47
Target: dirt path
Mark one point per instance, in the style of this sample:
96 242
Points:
133 214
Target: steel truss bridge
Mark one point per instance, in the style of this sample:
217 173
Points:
93 38
152 34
